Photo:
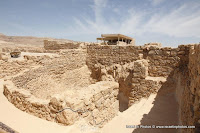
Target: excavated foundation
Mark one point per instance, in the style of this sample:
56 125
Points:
62 90
99 83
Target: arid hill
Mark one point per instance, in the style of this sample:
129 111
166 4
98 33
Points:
26 40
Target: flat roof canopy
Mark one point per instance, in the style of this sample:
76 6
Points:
107 39
113 37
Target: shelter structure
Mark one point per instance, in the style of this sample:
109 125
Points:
116 39
15 54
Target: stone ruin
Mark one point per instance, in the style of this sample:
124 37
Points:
54 45
0 54
96 82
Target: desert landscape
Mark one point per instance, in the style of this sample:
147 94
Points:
59 85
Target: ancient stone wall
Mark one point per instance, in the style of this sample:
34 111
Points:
97 109
194 69
0 54
102 107
12 68
141 86
25 49
54 45
161 60
108 55
188 88
140 71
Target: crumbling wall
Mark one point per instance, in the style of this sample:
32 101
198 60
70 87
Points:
134 83
131 67
162 61
101 107
0 54
188 88
154 44
141 71
53 75
54 45
25 49
45 109
108 55
194 69
12 68
141 85
97 109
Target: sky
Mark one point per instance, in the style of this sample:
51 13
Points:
170 22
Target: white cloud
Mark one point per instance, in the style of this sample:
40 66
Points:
180 22
156 2
98 8
116 10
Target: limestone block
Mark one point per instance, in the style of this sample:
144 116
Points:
87 102
181 52
98 103
91 106
80 106
115 105
95 112
67 117
55 104
152 52
166 53
153 45
97 97
115 93
140 69
107 103
173 53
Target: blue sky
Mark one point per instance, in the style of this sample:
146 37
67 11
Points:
171 22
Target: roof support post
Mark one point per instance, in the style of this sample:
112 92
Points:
118 39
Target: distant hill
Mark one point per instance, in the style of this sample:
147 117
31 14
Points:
26 40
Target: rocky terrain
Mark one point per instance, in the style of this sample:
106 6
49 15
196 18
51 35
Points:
27 40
